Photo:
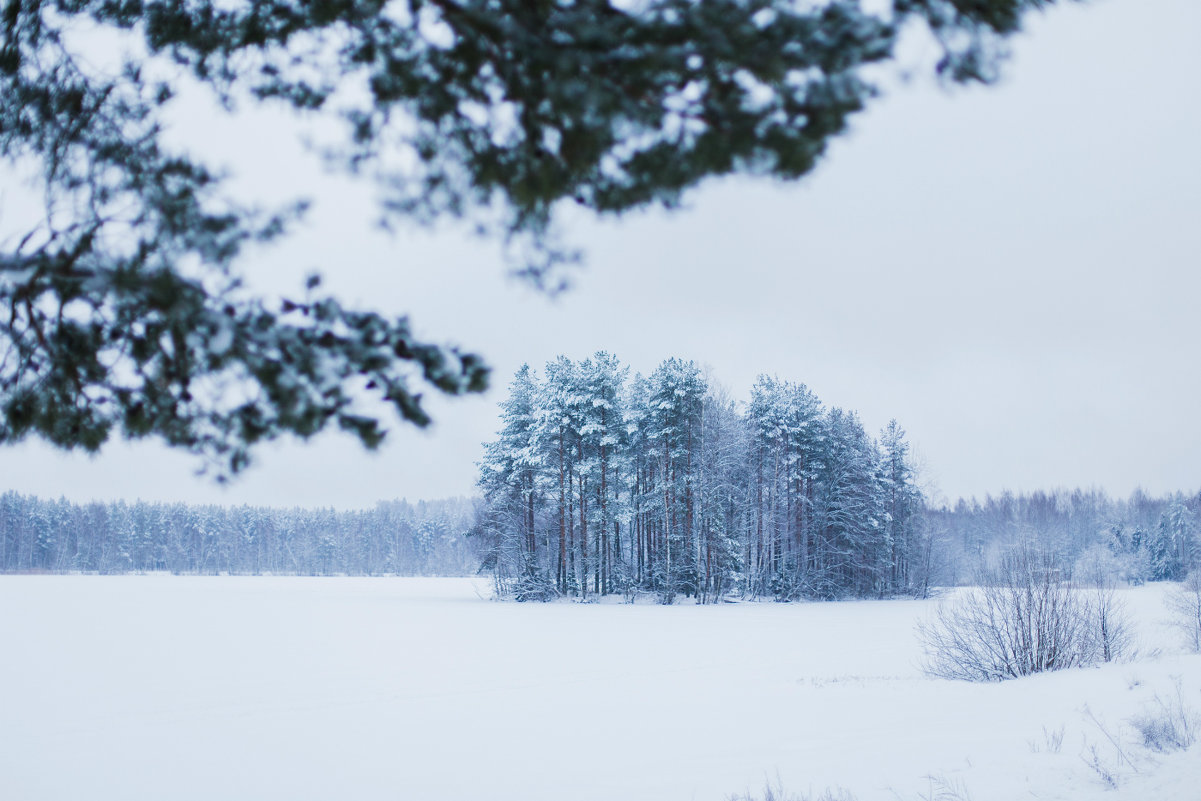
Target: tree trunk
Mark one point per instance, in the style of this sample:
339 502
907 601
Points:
562 572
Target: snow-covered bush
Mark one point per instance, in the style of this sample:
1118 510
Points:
1185 604
1023 617
1171 726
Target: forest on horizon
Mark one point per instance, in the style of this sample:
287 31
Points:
1151 537
659 485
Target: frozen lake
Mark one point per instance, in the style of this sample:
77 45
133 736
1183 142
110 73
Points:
164 687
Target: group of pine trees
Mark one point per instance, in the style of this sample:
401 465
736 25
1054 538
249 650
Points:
600 483
394 538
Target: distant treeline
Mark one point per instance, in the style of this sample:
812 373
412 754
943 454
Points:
1142 538
428 538
1150 539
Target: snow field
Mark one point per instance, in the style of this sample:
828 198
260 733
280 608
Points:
163 687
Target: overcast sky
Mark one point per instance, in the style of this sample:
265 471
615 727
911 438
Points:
1010 272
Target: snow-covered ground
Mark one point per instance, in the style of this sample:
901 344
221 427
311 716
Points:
161 687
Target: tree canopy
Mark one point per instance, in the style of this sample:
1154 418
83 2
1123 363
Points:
123 306
598 483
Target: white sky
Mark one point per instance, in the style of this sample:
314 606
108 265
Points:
1011 272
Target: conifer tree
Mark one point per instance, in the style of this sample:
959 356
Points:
902 505
126 309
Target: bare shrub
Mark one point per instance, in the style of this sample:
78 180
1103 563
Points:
942 788
776 792
1052 741
1184 602
1022 618
1106 771
1109 630
1170 726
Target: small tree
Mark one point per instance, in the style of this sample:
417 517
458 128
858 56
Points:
1098 569
1185 604
1022 618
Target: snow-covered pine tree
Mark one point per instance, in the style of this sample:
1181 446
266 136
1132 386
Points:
602 439
902 506
787 435
677 392
558 423
1172 541
763 419
511 484
642 488
721 496
852 554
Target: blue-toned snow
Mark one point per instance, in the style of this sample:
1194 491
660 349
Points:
356 689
